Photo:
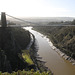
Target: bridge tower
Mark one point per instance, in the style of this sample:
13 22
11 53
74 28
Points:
3 19
3 30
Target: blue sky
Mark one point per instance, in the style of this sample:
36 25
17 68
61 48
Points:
67 6
38 8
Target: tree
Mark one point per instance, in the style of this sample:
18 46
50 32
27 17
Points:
73 22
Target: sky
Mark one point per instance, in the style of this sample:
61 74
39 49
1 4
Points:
38 8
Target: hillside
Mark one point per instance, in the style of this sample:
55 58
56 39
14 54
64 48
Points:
63 37
15 59
12 42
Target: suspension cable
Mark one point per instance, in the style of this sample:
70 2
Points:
18 18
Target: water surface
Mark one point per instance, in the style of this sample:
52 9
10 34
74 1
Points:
54 61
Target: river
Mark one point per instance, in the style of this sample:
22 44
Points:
57 64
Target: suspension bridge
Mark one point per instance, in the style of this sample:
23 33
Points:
4 21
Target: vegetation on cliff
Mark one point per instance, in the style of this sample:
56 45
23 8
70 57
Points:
12 42
31 72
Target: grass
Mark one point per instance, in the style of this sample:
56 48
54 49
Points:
27 57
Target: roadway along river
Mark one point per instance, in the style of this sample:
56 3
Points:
54 61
